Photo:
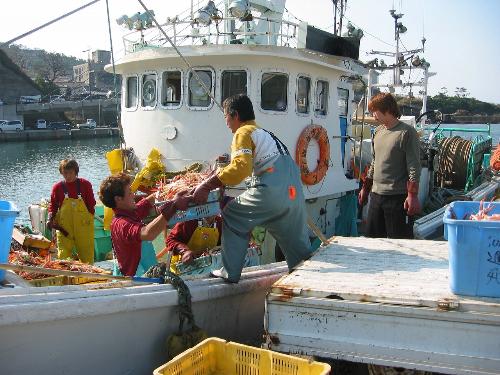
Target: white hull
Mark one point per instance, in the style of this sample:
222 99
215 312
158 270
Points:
88 330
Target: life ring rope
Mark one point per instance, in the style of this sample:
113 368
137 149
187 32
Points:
319 134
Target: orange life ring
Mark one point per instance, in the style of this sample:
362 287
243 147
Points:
318 133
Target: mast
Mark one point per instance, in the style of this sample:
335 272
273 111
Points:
403 60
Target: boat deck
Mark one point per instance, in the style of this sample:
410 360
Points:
387 302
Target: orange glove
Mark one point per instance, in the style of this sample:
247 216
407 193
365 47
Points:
201 192
365 192
412 205
180 202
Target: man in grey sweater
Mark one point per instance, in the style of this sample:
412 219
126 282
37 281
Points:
394 173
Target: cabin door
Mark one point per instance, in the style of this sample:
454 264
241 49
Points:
343 108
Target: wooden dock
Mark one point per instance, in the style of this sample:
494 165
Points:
386 302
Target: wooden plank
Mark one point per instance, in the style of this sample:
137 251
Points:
401 272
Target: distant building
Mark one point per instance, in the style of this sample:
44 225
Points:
14 83
91 74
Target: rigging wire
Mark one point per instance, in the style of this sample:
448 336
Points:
115 88
6 44
366 32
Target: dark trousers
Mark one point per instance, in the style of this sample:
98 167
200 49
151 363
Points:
387 217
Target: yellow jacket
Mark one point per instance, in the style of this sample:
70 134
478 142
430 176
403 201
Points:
252 151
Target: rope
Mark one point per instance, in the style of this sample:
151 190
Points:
453 160
495 159
160 270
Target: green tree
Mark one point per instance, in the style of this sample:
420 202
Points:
47 87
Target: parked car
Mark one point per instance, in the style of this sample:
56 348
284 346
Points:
41 124
59 125
16 125
90 124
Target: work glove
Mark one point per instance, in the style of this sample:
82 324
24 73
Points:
412 205
365 191
186 254
50 221
201 192
180 202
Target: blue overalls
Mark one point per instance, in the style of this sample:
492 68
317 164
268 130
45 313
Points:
273 200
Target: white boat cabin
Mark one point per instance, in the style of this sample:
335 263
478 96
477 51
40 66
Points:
164 105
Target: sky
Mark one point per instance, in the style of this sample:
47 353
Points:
463 37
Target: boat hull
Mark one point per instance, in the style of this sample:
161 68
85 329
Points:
82 330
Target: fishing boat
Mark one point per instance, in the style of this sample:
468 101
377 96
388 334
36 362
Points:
299 79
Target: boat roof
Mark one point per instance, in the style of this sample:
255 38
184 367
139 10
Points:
340 64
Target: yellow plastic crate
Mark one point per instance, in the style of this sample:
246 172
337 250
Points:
64 280
215 356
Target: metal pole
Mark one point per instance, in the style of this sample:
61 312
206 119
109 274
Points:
362 130
341 15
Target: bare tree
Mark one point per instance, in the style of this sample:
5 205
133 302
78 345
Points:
53 66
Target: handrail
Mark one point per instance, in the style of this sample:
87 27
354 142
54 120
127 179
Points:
208 34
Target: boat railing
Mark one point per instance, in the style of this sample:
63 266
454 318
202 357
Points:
186 33
451 130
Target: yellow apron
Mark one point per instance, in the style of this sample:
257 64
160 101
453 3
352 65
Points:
74 217
203 238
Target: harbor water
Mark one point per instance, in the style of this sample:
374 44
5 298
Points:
29 169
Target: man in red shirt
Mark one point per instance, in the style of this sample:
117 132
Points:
188 240
71 212
127 228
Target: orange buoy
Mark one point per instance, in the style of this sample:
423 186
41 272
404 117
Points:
318 133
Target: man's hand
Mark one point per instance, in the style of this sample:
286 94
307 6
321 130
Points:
180 202
201 192
411 204
187 255
365 192
50 222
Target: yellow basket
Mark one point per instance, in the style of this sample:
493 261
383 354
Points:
64 280
215 356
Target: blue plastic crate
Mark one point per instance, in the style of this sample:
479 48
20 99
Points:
8 214
474 250
196 212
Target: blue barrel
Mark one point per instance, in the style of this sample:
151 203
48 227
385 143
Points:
8 214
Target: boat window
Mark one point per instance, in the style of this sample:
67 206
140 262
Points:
274 89
234 82
198 97
149 90
131 101
303 89
321 98
343 100
171 88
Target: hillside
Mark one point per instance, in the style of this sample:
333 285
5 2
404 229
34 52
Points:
40 63
460 106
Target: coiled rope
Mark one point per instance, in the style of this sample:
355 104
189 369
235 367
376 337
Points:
454 154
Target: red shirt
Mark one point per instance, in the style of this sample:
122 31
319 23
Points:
57 195
181 233
126 236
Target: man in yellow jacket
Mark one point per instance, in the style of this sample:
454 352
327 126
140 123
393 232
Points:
274 198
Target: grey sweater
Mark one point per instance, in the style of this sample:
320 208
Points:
396 159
